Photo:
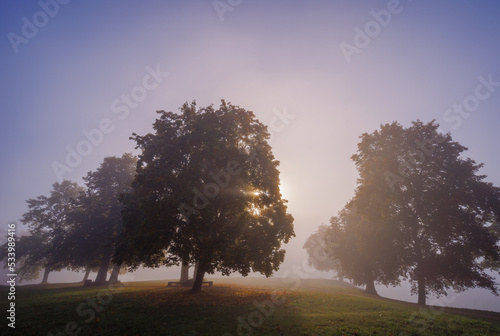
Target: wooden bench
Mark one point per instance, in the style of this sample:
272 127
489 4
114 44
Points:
188 283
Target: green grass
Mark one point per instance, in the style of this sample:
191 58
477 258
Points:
317 307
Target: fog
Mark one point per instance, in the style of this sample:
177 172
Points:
285 60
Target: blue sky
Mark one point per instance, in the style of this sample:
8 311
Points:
273 57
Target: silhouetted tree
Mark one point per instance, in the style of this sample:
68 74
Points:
49 226
30 257
80 242
206 191
356 249
318 246
415 182
98 218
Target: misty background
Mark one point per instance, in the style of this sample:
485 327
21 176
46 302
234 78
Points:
281 59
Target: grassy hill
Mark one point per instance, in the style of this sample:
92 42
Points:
234 307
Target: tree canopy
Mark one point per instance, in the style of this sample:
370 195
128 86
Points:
206 191
75 227
98 219
319 246
356 249
30 253
420 200
48 225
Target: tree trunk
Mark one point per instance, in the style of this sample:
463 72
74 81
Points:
114 274
198 281
370 284
103 269
184 272
86 276
196 266
420 275
421 291
45 275
370 288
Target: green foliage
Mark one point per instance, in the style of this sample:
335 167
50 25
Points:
356 249
319 246
30 256
98 218
206 190
48 223
74 227
421 211
415 185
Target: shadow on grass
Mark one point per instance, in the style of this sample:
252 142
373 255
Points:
247 307
152 310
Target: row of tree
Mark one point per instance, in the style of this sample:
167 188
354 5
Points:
204 190
421 212
75 227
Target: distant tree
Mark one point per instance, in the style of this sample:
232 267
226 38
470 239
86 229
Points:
98 218
206 191
415 182
319 249
47 219
79 242
30 257
356 249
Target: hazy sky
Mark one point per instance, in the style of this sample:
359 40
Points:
319 73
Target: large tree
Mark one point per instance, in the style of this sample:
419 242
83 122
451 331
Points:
206 191
47 219
80 243
98 218
416 182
